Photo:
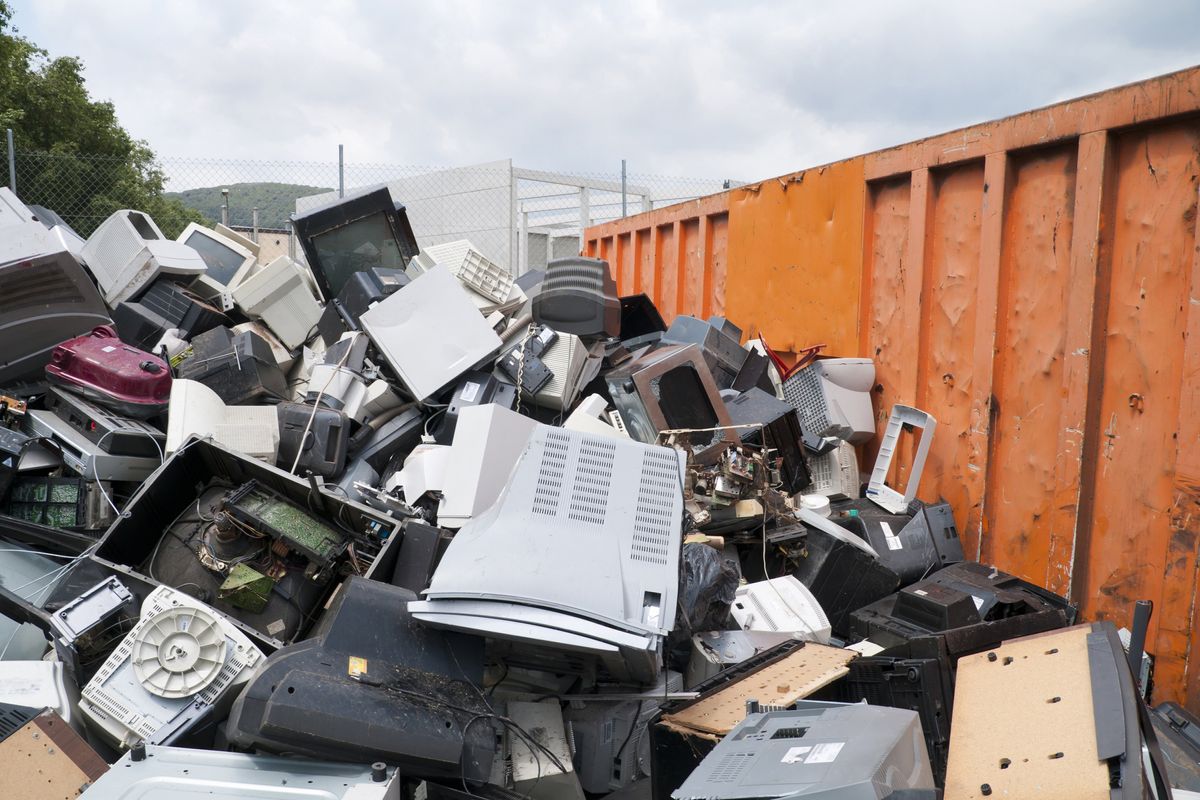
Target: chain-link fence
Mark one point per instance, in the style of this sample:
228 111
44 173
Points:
518 216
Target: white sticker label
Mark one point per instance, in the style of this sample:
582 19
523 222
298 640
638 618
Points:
277 627
183 623
978 601
795 755
825 753
108 349
921 592
470 392
893 541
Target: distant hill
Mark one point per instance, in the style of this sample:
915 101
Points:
275 201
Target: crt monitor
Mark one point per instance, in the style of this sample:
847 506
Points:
353 234
228 261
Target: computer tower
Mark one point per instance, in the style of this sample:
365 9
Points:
671 388
626 499
128 251
818 750
833 397
371 684
780 431
48 298
578 296
181 662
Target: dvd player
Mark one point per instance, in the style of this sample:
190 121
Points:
113 433
84 456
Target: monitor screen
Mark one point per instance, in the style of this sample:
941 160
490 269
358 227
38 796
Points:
222 261
360 245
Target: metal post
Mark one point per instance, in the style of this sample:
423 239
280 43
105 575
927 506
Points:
12 164
523 238
341 172
624 210
585 212
291 233
254 224
225 207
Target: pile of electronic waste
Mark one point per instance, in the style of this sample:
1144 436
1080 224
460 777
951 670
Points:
380 521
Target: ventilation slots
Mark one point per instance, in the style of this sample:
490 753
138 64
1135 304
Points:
593 476
38 287
731 767
550 475
654 525
803 391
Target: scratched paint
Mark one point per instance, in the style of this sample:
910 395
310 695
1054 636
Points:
1150 241
1027 380
945 365
1088 476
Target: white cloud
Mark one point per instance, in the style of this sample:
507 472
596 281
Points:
709 89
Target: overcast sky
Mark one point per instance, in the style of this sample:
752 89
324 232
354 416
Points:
707 89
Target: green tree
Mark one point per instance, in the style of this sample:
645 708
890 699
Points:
73 156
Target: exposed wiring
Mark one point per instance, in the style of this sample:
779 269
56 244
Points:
317 402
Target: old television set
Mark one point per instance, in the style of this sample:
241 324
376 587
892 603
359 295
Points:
353 234
128 251
228 261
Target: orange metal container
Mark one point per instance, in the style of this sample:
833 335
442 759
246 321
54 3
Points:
1034 283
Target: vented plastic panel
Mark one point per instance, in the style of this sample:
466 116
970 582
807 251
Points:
118 702
564 358
471 267
834 474
803 391
581 515
730 767
36 286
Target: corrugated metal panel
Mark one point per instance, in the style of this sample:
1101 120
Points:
1033 283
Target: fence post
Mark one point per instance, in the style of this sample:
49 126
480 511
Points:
225 207
585 212
624 212
341 172
12 164
254 224
291 233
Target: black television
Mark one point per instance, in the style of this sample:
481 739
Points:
354 234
